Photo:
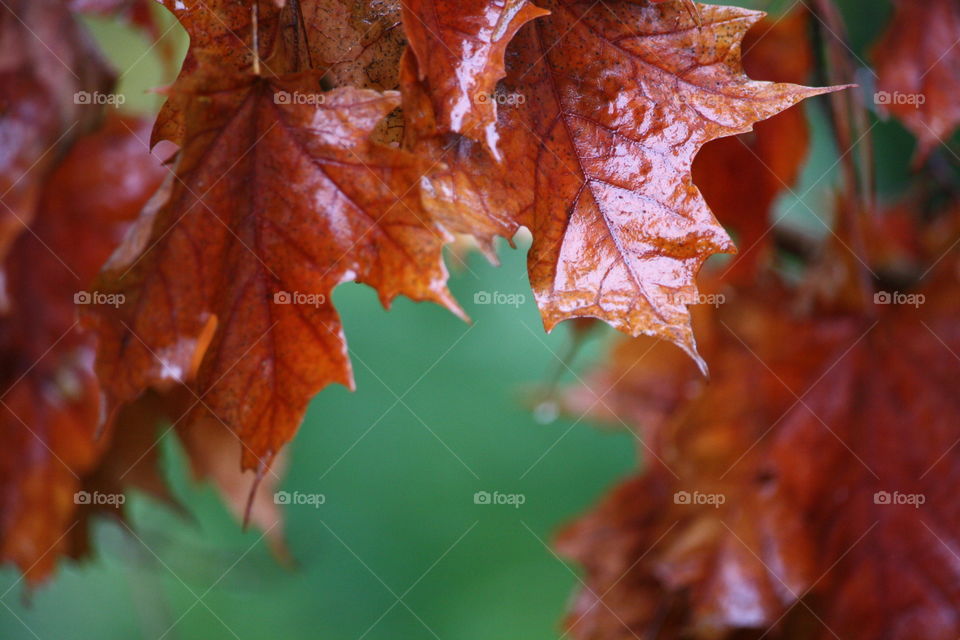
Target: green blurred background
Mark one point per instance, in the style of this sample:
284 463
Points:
399 549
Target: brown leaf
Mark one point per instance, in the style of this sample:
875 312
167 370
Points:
618 603
604 108
350 43
213 450
50 407
619 228
276 202
129 458
47 64
918 66
780 471
221 46
132 456
466 190
460 48
692 441
885 426
354 43
741 177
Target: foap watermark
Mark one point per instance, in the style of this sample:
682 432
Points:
501 98
898 298
298 97
497 297
97 297
697 100
98 98
689 299
97 498
297 498
896 498
698 498
296 297
512 499
886 98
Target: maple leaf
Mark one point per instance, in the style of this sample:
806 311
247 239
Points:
47 66
221 46
765 501
49 395
275 203
604 108
466 190
460 48
741 177
49 407
618 603
353 43
350 43
918 68
128 458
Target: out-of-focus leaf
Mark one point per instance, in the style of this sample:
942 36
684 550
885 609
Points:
918 65
213 450
816 461
50 397
50 76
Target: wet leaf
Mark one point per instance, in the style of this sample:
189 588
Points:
349 43
221 46
602 111
355 43
465 189
276 202
460 48
741 177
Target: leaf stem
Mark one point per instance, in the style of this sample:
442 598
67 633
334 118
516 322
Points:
849 120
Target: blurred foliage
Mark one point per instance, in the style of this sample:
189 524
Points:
442 410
